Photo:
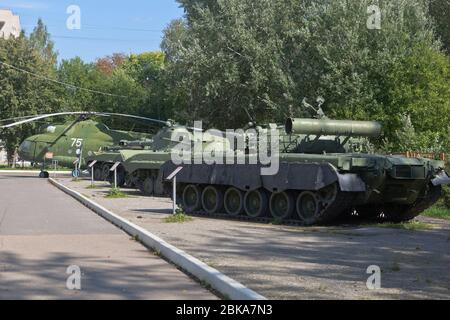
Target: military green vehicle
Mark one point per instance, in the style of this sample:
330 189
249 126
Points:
128 149
73 140
140 161
326 171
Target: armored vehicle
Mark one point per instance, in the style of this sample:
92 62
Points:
73 140
140 161
326 171
126 150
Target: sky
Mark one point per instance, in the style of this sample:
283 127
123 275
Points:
107 26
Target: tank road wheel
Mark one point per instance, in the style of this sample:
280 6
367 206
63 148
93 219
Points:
256 203
308 207
148 186
105 172
97 174
212 200
328 195
160 187
121 175
129 181
234 202
282 205
192 199
323 206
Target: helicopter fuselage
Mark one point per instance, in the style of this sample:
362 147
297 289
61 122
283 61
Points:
67 143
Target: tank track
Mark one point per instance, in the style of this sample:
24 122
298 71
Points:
342 204
406 213
331 214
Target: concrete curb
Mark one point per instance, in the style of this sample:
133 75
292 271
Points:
217 280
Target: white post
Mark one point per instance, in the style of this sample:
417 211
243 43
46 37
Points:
175 195
92 176
173 177
115 178
79 163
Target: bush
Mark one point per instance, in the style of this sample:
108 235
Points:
446 197
446 191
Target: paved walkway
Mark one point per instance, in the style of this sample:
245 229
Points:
43 232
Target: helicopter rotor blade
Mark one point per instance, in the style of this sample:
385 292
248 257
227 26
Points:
80 113
44 116
18 118
165 123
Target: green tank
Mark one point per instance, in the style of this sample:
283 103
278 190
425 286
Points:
327 170
140 161
159 145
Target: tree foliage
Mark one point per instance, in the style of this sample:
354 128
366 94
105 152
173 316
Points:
21 93
268 55
440 12
136 82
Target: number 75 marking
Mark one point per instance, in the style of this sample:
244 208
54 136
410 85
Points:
77 142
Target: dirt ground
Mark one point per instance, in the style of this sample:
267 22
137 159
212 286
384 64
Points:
285 262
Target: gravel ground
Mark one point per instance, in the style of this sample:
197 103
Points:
285 262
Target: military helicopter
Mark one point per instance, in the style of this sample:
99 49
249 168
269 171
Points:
71 142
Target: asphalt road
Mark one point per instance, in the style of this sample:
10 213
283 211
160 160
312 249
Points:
43 232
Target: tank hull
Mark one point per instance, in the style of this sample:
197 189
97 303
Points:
333 186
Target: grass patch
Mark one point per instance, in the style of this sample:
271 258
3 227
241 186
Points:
410 226
116 194
135 238
178 217
438 212
205 285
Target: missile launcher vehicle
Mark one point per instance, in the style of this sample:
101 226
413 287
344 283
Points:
327 170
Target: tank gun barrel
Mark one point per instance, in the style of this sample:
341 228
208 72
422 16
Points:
132 144
328 127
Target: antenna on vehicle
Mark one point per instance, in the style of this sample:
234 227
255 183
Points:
319 111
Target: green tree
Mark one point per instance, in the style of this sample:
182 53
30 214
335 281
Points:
268 55
419 87
81 75
22 93
149 70
41 41
440 11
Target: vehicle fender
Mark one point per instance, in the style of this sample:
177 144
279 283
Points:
441 179
291 176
